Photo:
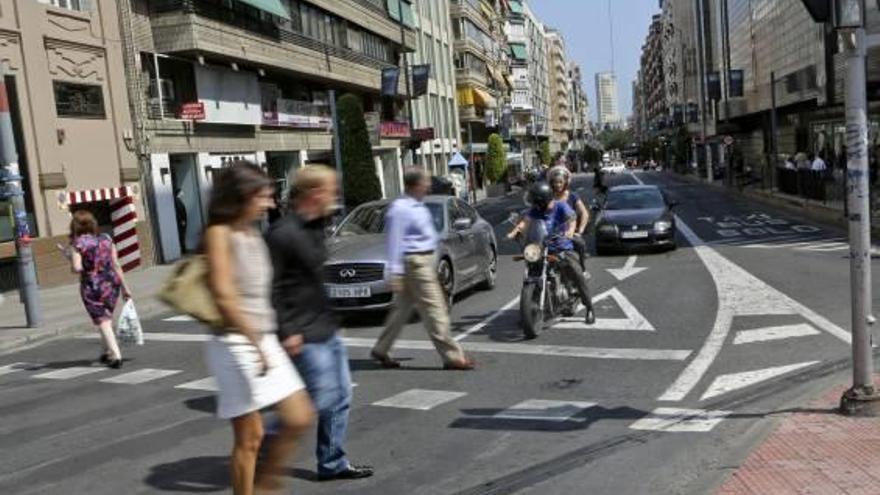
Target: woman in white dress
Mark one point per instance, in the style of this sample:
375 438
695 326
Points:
251 368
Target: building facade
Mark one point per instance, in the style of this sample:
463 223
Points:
656 116
560 93
580 108
67 93
437 111
608 115
216 81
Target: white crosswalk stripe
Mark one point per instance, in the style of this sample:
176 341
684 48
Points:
675 420
545 410
68 373
141 376
15 367
419 399
205 384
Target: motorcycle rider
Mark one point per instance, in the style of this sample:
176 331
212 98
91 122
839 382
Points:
559 219
560 180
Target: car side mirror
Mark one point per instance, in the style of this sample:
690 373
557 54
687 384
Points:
461 224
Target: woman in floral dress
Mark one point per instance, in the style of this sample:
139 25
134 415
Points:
94 257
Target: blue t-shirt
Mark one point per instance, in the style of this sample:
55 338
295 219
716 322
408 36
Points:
556 219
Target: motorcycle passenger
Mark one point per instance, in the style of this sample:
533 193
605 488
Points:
560 181
559 219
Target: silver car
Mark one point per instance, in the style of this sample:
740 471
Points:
355 271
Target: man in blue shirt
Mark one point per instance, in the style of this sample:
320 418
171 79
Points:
559 219
412 271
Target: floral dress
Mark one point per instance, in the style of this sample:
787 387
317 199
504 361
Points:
99 282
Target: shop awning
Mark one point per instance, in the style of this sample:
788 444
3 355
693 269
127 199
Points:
499 76
518 51
484 99
488 11
274 7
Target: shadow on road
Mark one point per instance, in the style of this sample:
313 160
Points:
194 475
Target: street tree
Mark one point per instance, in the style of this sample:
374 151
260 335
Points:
545 155
360 182
615 139
496 162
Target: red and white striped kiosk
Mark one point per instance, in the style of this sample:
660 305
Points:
123 217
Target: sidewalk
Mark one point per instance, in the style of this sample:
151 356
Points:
63 312
813 450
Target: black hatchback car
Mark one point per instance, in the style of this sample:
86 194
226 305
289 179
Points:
634 217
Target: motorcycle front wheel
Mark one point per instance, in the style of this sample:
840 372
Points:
531 315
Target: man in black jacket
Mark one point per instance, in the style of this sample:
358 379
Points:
306 325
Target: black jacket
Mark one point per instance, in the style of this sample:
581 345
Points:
298 294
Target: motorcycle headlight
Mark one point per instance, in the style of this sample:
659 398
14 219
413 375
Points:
532 253
662 225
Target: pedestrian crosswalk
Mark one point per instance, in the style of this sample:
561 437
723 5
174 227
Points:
797 243
418 400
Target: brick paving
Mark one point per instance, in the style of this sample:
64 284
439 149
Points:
814 451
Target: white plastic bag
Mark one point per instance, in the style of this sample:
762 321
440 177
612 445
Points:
128 326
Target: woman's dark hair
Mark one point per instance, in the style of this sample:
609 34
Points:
233 188
82 223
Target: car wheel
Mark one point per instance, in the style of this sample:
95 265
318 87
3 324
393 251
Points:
491 274
447 281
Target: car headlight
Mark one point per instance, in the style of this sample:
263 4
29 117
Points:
607 228
533 252
662 225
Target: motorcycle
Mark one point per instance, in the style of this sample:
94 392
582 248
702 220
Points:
546 294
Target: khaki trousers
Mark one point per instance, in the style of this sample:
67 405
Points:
421 292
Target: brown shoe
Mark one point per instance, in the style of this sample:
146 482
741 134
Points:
465 364
385 361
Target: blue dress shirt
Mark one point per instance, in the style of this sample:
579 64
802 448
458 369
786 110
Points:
410 229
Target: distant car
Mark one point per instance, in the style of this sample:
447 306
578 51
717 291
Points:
355 271
614 168
634 217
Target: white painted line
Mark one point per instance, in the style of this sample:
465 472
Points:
68 373
483 324
419 399
140 376
15 367
180 318
774 333
540 350
545 410
634 321
676 420
736 381
207 384
629 269
165 337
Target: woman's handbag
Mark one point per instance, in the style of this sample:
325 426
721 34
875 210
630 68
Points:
187 292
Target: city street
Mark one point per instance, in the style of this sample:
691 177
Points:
693 353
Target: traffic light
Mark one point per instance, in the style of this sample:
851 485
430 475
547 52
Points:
820 10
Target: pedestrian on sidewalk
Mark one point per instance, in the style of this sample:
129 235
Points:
817 164
93 256
412 268
251 368
307 327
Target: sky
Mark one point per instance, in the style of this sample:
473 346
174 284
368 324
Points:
585 26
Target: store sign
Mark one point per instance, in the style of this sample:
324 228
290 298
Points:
192 111
394 130
303 115
423 134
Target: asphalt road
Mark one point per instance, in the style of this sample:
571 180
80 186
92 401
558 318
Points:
694 353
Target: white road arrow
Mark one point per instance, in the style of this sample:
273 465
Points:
633 321
735 381
629 269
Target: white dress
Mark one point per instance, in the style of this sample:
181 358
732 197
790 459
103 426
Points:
232 359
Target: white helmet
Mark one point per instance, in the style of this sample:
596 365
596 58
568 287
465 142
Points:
559 173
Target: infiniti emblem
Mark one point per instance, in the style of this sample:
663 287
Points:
347 273
635 227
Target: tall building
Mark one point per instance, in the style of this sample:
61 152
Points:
656 117
580 108
214 81
560 93
437 112
529 73
606 100
72 127
480 67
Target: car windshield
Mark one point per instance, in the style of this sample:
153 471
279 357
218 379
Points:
634 199
370 219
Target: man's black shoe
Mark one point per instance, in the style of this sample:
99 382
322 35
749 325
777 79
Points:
351 473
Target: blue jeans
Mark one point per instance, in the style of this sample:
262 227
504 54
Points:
324 369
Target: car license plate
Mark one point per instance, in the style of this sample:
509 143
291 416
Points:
347 292
637 234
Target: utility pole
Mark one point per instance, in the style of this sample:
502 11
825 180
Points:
774 127
11 188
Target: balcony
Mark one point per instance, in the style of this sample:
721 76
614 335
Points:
206 27
471 77
471 10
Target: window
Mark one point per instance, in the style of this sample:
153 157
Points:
79 100
80 5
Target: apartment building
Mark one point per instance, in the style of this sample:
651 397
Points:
560 105
580 108
656 118
63 62
529 99
220 80
606 101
